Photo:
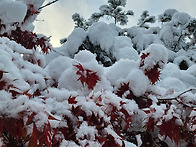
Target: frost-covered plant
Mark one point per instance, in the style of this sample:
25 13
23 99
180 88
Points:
73 100
179 32
16 24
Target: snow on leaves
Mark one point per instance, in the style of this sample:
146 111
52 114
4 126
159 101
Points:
116 104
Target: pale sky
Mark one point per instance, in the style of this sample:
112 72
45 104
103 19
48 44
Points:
55 20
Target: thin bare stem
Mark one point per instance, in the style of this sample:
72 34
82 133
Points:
48 4
58 52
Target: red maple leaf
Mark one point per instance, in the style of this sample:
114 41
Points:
143 57
171 129
86 76
2 85
91 79
153 74
150 124
72 100
123 88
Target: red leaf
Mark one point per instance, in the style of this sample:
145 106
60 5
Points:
82 79
150 124
122 103
1 75
27 94
110 142
153 74
46 137
171 129
123 88
72 100
50 117
87 76
80 67
30 119
125 112
92 79
2 85
33 140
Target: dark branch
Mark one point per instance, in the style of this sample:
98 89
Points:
48 4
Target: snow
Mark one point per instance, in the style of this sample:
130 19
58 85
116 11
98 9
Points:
123 49
157 55
127 53
74 40
129 144
12 11
86 130
104 38
55 71
54 88
120 70
138 82
180 18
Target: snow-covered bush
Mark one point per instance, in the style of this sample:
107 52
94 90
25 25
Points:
95 90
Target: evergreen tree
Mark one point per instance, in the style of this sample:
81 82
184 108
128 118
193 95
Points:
146 18
114 10
167 15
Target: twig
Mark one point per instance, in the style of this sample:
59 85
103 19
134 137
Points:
58 52
175 98
47 4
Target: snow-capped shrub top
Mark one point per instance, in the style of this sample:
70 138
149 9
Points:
155 54
138 82
180 18
127 53
12 11
74 40
167 15
104 35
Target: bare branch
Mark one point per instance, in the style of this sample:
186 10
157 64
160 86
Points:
48 4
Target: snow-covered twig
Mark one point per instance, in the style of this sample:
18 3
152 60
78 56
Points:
177 97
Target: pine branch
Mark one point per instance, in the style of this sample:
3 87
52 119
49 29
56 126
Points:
48 4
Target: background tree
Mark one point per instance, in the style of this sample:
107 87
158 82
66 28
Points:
114 10
167 15
146 18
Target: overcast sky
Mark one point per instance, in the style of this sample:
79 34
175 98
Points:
55 20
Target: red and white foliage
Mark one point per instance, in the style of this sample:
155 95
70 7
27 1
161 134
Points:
78 102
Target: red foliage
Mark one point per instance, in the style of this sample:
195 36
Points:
29 40
72 100
87 77
143 57
31 11
171 129
123 88
153 74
